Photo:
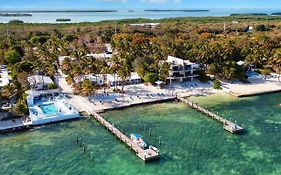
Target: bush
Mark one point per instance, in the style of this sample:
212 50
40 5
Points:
261 28
21 108
52 86
12 56
217 84
202 76
70 37
150 77
39 39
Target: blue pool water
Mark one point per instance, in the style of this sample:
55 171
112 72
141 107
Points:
49 108
252 74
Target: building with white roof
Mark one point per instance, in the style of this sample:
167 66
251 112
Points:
111 79
4 76
181 70
146 25
98 79
102 56
39 82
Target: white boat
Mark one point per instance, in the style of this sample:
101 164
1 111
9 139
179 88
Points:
154 148
137 138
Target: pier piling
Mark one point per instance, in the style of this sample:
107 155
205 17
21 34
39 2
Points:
144 154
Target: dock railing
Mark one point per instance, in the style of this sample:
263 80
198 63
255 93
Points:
227 124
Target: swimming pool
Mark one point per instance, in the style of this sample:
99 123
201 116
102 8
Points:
253 74
49 108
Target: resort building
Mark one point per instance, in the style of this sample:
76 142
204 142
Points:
181 70
39 82
101 56
111 79
4 76
98 79
49 106
145 25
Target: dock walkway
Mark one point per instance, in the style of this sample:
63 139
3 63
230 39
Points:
82 104
227 125
145 155
15 125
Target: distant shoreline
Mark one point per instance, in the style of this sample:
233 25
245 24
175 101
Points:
249 14
155 10
57 11
15 14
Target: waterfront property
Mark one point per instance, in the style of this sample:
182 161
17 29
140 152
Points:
111 79
49 106
4 76
181 70
39 82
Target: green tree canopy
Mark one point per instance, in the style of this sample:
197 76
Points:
12 56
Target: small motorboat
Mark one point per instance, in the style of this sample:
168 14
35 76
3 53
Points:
137 138
154 148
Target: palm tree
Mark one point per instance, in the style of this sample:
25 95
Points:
276 62
104 71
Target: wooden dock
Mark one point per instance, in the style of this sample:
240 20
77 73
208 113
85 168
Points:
145 155
84 105
227 125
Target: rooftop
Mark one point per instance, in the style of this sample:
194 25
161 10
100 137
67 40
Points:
4 76
39 79
179 61
100 55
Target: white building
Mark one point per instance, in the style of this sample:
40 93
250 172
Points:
181 70
98 79
39 82
109 49
111 79
146 25
101 56
4 76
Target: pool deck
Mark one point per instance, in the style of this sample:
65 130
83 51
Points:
15 125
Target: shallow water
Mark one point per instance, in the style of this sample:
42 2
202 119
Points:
191 143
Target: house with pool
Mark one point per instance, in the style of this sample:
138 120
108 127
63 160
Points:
49 106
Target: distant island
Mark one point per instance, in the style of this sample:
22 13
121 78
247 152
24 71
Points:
276 14
16 21
59 11
171 10
15 14
63 19
249 14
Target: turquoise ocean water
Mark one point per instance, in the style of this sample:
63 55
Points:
191 143
44 17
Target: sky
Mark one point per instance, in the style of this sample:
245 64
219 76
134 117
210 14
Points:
133 4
